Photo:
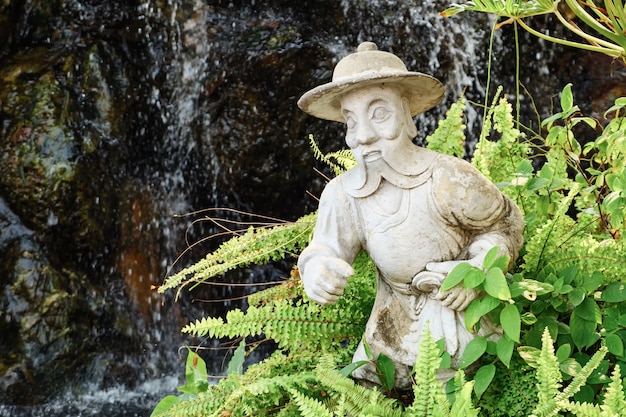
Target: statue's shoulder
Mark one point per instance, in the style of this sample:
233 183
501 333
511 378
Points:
464 192
457 172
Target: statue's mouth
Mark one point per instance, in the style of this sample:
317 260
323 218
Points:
371 156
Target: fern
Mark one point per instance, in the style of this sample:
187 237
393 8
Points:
289 325
426 387
309 407
550 398
357 400
614 400
543 241
257 245
340 161
449 137
499 160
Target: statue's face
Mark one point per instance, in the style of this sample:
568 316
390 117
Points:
376 123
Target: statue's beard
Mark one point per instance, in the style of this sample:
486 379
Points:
369 174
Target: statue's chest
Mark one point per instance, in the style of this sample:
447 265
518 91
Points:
391 211
402 232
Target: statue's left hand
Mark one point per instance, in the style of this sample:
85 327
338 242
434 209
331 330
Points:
457 298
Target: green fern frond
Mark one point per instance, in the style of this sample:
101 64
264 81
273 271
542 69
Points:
542 242
463 405
287 323
288 290
614 401
309 407
499 160
581 377
426 387
584 409
258 245
548 378
340 161
449 137
550 398
357 400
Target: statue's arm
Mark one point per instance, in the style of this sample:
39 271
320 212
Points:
469 201
325 264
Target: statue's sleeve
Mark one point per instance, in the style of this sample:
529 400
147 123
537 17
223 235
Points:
336 233
468 200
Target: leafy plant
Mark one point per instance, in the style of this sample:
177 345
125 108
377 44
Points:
604 27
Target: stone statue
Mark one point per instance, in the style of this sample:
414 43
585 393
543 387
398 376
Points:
416 212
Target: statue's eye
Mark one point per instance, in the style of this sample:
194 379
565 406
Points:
380 114
350 122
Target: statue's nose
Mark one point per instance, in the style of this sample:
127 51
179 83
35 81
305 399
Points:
365 135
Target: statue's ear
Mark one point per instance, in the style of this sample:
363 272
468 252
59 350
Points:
411 129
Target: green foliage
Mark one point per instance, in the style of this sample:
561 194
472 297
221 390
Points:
561 307
258 245
449 137
605 25
339 161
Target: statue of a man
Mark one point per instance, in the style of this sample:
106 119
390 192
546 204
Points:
416 212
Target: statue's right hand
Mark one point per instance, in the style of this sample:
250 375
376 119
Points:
325 278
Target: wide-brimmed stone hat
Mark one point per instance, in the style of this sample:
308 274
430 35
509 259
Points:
369 66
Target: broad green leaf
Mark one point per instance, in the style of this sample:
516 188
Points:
235 366
195 374
576 296
529 318
490 257
386 371
473 315
455 276
511 322
477 309
615 292
563 352
530 355
504 350
570 367
531 286
348 369
474 350
615 344
589 310
496 285
567 99
583 331
164 405
593 282
473 278
501 262
483 378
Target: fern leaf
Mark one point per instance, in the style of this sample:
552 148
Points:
449 137
343 159
257 245
426 384
614 401
463 405
583 409
357 400
309 407
548 379
581 377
